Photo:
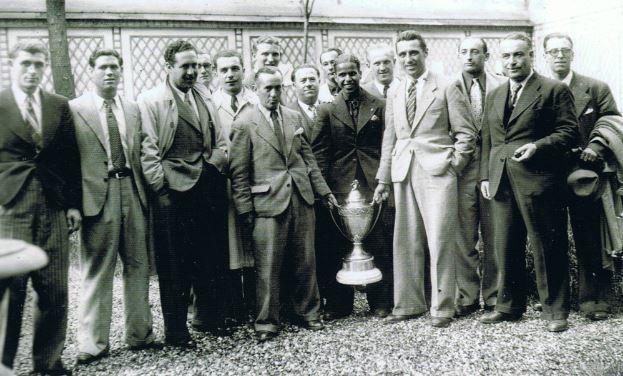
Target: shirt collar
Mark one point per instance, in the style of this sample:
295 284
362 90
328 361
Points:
180 93
305 106
20 96
99 101
423 77
266 112
468 78
568 78
523 83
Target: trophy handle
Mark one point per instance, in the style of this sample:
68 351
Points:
336 222
378 213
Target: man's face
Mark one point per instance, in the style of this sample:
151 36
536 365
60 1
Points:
412 57
27 70
559 55
269 89
306 85
267 54
204 64
105 75
516 58
472 55
183 72
347 76
327 61
382 65
229 72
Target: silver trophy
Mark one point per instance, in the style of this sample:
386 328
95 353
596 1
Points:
355 219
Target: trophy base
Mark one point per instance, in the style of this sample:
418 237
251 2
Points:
356 278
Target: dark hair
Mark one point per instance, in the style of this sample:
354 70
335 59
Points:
267 40
104 52
226 53
32 47
303 66
481 40
519 36
266 70
332 49
408 35
556 35
177 47
348 58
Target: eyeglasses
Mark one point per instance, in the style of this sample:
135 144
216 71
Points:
555 51
206 66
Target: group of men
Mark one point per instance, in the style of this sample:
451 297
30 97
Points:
232 189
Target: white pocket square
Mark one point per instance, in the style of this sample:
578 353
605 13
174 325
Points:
588 111
299 131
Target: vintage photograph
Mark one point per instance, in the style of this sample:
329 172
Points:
311 187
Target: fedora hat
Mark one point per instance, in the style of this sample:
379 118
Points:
586 183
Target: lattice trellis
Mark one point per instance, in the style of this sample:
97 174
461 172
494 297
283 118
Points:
443 55
147 53
80 48
292 49
359 45
494 64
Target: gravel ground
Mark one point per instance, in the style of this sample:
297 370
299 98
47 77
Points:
360 345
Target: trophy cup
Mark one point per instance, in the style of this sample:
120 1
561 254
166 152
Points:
355 219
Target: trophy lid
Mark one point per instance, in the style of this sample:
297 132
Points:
355 196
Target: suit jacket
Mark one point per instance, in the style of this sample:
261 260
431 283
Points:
342 146
544 115
222 104
159 117
593 99
57 164
308 124
442 136
263 176
93 146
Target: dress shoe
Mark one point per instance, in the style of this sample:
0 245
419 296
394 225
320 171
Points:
263 336
597 316
381 312
58 369
462 311
86 358
147 346
182 342
440 322
330 315
390 319
496 317
557 325
313 325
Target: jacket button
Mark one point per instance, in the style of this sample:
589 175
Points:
105 179
288 185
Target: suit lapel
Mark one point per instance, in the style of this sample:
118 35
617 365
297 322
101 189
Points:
499 100
367 108
13 116
49 119
580 94
341 111
288 130
265 131
88 113
426 99
528 96
462 89
400 104
187 113
131 126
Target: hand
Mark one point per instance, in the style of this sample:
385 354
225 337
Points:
381 193
330 201
484 188
589 155
74 219
524 152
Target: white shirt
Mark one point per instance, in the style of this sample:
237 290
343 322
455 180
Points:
310 113
380 87
266 112
568 78
419 86
20 98
523 85
117 110
183 95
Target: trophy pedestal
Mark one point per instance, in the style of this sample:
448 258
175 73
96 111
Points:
358 268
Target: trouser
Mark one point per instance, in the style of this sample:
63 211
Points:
30 217
119 228
191 249
426 222
543 219
287 239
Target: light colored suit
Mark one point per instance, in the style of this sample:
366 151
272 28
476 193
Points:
423 160
114 223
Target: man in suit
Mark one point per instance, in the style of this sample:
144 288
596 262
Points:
593 99
328 88
428 140
474 273
381 62
528 125
349 147
306 80
231 98
114 203
40 195
184 159
274 179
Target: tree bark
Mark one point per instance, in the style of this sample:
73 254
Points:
59 49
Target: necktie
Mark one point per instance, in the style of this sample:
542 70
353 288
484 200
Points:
31 119
514 91
114 138
475 98
190 105
278 131
234 104
312 109
411 102
353 109
385 87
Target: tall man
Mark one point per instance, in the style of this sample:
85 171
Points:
274 177
306 80
40 198
231 98
184 159
593 99
329 88
473 273
428 140
114 205
381 62
528 126
349 148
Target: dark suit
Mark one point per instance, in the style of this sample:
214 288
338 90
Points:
37 185
311 132
347 150
527 197
277 187
593 99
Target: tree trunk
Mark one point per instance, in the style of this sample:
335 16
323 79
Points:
59 49
305 38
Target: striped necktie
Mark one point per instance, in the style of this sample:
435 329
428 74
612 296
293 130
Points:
514 94
31 119
278 131
411 102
